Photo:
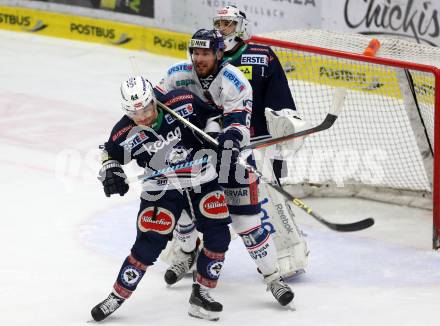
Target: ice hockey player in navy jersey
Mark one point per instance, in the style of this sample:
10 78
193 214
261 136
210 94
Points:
273 112
178 176
258 63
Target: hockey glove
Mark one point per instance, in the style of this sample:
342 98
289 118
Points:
113 178
228 148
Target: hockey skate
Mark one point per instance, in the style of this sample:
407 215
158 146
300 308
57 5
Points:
281 291
105 308
178 270
202 305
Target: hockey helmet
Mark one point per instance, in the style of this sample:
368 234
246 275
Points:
242 29
207 39
136 94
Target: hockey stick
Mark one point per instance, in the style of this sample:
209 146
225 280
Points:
332 115
341 227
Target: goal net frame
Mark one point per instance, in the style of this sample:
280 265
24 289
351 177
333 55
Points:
377 60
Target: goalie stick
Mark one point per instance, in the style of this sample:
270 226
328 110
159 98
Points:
331 116
327 123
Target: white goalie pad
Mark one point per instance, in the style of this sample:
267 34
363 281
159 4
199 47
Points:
279 219
282 123
292 250
173 253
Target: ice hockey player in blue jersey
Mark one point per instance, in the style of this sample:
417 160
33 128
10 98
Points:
178 177
225 87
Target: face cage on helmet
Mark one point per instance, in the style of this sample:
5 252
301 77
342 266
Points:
239 20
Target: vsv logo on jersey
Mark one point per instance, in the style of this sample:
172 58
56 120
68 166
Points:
131 275
134 140
234 79
255 59
177 155
183 110
214 269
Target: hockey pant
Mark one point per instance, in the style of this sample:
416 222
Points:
155 224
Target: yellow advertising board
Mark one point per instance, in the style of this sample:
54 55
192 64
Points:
315 69
375 79
94 30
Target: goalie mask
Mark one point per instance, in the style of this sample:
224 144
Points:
233 25
136 96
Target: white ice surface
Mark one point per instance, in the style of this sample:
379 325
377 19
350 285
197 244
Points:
62 241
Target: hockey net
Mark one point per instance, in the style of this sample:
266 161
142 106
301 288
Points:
383 143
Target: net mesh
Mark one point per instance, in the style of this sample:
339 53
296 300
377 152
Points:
380 139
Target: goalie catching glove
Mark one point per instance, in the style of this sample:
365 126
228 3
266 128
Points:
285 122
113 178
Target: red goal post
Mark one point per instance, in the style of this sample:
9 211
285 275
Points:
382 146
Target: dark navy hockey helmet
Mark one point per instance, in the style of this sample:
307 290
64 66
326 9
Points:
207 39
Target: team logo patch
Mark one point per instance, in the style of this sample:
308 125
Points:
214 205
177 155
162 223
130 276
214 269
